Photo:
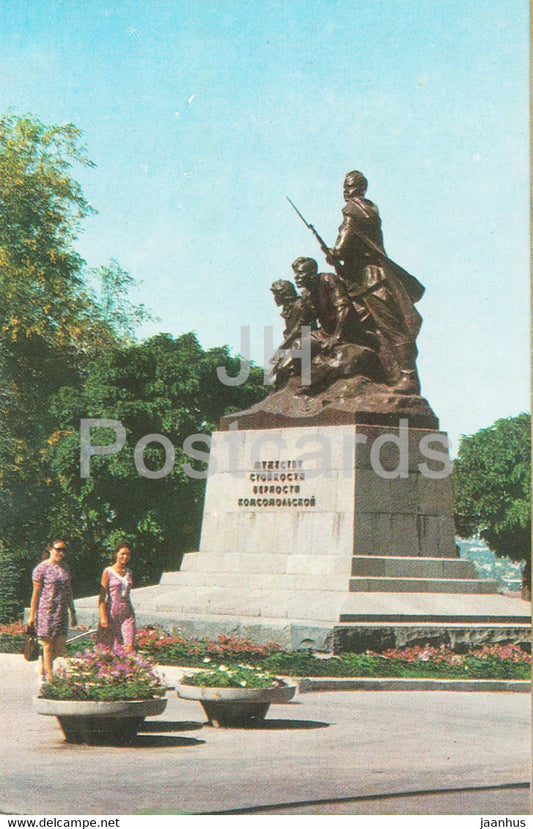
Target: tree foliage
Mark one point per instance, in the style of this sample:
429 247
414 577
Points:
68 351
491 478
41 208
52 322
164 386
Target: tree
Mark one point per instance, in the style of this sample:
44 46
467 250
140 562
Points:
163 386
41 208
114 317
52 322
68 351
491 479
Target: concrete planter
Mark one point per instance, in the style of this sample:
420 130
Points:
226 707
98 723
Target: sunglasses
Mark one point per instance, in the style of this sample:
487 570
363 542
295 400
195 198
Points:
60 549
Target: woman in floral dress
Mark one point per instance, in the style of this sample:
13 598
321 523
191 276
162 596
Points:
50 604
117 618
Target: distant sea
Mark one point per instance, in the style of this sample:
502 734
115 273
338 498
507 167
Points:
507 573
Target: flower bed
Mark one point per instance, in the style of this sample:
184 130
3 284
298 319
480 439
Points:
172 649
235 695
487 662
99 675
12 637
236 676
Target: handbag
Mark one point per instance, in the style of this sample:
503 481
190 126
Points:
104 636
31 645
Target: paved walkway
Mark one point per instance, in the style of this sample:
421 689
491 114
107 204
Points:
340 752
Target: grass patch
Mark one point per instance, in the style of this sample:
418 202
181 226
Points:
407 663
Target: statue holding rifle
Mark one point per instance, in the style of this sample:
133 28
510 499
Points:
385 290
355 328
382 292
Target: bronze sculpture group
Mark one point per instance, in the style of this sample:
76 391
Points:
349 343
361 318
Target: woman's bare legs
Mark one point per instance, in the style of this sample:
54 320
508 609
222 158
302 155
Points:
52 648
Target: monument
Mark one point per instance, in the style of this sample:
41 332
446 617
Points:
328 517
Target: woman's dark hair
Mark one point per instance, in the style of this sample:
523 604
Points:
120 546
53 542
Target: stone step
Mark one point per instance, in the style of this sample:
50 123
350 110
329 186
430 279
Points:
379 584
174 602
440 608
325 564
413 567
321 563
253 602
358 637
266 581
306 618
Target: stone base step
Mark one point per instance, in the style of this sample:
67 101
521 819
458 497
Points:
239 600
263 581
413 567
325 564
382 584
241 571
312 618
353 637
329 606
358 637
434 608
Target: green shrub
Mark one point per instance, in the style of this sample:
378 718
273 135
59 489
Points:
236 676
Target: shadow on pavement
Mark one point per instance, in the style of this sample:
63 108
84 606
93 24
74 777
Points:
283 725
139 741
164 741
165 726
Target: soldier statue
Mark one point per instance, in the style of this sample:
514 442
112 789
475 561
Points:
340 346
382 292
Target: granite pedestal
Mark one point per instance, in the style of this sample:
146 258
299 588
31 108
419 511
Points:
331 537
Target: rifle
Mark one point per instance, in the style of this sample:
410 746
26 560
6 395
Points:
411 284
323 247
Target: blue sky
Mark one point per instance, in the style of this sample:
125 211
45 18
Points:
202 116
